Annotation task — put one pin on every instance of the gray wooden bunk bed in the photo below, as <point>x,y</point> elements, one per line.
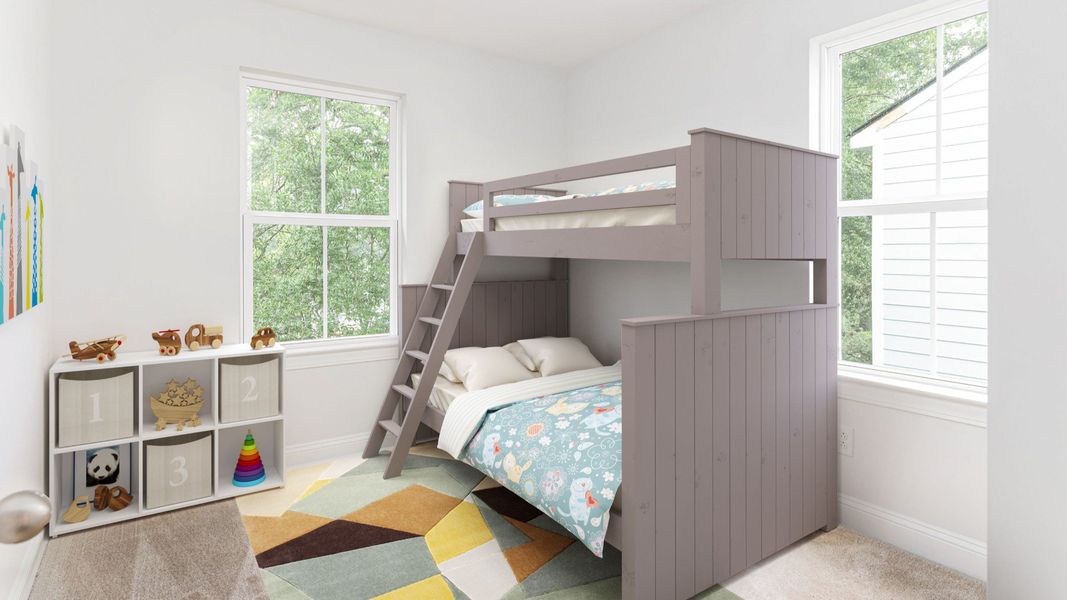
<point>729,435</point>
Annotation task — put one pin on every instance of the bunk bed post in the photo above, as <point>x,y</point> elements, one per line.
<point>705,200</point>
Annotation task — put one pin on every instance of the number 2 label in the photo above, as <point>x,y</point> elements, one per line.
<point>251,396</point>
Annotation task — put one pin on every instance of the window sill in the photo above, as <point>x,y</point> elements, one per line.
<point>961,404</point>
<point>332,353</point>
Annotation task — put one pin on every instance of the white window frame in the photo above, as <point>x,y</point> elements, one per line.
<point>250,218</point>
<point>825,132</point>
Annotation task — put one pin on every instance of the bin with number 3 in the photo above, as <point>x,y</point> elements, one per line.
<point>178,469</point>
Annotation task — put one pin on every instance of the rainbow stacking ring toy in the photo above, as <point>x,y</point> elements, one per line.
<point>249,469</point>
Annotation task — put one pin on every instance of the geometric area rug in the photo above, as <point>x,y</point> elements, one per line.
<point>439,530</point>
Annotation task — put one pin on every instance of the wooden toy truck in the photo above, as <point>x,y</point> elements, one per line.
<point>198,336</point>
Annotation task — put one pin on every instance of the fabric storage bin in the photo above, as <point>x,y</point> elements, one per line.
<point>178,469</point>
<point>94,406</point>
<point>248,388</point>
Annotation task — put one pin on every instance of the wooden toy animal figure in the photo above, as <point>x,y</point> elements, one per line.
<point>198,336</point>
<point>514,471</point>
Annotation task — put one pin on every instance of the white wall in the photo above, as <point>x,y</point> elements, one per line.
<point>915,479</point>
<point>25,353</point>
<point>1028,278</point>
<point>148,105</point>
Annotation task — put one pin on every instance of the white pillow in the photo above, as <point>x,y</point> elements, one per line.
<point>516,350</point>
<point>448,374</point>
<point>480,368</point>
<point>553,355</point>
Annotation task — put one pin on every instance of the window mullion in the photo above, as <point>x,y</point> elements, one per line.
<point>933,293</point>
<point>325,230</point>
<point>938,107</point>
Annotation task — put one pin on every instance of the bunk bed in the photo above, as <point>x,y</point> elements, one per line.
<point>728,450</point>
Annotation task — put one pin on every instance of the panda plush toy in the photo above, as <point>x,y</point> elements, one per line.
<point>102,468</point>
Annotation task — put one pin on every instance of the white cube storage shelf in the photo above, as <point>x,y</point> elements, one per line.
<point>168,469</point>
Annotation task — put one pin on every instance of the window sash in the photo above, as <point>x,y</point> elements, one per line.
<point>250,218</point>
<point>826,120</point>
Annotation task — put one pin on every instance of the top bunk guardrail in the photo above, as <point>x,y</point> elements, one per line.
<point>734,197</point>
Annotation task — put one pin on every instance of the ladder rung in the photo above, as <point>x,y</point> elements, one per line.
<point>431,320</point>
<point>391,426</point>
<point>443,286</point>
<point>420,356</point>
<point>405,391</point>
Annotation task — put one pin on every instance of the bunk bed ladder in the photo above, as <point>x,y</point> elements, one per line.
<point>440,330</point>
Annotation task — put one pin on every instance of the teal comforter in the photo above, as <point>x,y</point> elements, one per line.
<point>561,453</point>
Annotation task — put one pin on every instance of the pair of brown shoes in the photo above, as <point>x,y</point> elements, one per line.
<point>116,498</point>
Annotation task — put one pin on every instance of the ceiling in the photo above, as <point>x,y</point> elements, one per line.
<point>561,33</point>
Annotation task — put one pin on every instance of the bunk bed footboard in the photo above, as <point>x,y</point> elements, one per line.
<point>728,443</point>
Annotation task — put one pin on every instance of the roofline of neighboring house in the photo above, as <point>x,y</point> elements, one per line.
<point>914,93</point>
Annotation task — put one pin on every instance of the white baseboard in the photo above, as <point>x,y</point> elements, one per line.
<point>959,552</point>
<point>319,451</point>
<point>31,560</point>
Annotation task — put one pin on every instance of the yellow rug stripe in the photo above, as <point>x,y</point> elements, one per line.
<point>462,530</point>
<point>434,587</point>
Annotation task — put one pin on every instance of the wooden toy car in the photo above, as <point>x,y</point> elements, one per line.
<point>198,336</point>
<point>100,350</point>
<point>170,343</point>
<point>264,337</point>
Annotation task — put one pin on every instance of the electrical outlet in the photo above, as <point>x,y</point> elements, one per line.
<point>845,437</point>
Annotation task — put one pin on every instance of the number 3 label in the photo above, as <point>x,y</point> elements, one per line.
<point>180,471</point>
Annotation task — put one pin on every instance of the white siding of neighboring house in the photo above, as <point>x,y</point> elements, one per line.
<point>904,160</point>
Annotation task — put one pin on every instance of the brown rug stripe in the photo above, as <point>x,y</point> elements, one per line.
<point>267,532</point>
<point>415,509</point>
<point>528,558</point>
<point>332,538</point>
<point>508,504</point>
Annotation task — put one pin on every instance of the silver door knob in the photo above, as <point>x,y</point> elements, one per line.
<point>23,515</point>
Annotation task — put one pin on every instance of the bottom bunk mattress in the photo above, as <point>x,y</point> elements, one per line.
<point>554,441</point>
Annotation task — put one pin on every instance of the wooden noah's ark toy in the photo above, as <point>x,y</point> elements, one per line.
<point>170,343</point>
<point>264,338</point>
<point>180,403</point>
<point>198,336</point>
<point>100,350</point>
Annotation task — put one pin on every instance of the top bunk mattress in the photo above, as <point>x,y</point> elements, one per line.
<point>619,217</point>
<point>609,217</point>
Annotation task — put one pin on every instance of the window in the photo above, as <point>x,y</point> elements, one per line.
<point>906,107</point>
<point>320,189</point>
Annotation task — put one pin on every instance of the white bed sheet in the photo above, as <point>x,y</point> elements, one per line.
<point>587,219</point>
<point>443,392</point>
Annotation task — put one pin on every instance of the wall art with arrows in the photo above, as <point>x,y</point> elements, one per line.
<point>21,228</point>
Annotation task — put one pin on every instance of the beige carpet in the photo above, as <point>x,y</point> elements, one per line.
<point>845,565</point>
<point>196,553</point>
